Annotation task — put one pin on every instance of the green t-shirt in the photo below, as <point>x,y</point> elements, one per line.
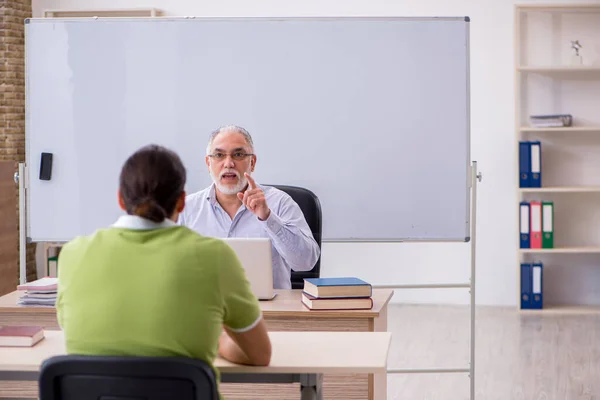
<point>154,292</point>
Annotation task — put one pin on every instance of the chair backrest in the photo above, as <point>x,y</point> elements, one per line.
<point>311,208</point>
<point>75,377</point>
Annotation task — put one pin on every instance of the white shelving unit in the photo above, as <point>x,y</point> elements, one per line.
<point>547,82</point>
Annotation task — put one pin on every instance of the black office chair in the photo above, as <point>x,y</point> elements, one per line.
<point>311,208</point>
<point>75,377</point>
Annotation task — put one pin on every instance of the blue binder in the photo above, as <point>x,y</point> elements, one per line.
<point>525,286</point>
<point>524,224</point>
<point>537,291</point>
<point>535,171</point>
<point>524,164</point>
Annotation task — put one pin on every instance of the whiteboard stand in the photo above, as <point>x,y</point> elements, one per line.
<point>20,179</point>
<point>474,178</point>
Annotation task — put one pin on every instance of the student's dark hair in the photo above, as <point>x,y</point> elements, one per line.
<point>151,181</point>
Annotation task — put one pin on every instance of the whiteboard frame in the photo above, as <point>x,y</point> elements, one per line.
<point>468,161</point>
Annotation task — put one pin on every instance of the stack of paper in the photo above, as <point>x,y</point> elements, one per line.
<point>553,120</point>
<point>41,292</point>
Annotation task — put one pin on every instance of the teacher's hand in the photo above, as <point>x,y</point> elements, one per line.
<point>254,199</point>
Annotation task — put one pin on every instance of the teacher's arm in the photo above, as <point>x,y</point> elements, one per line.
<point>286,227</point>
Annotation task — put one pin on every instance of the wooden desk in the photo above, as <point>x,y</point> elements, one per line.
<point>284,313</point>
<point>335,352</point>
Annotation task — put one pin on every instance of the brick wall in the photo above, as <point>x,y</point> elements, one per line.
<point>12,100</point>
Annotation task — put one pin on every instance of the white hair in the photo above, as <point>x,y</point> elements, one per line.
<point>230,128</point>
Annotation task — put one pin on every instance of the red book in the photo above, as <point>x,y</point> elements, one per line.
<point>536,224</point>
<point>20,336</point>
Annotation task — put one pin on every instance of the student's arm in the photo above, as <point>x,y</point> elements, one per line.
<point>245,340</point>
<point>252,347</point>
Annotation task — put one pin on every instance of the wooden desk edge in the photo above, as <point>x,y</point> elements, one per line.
<point>17,309</point>
<point>50,342</point>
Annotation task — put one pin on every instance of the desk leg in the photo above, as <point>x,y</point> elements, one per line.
<point>379,381</point>
<point>311,387</point>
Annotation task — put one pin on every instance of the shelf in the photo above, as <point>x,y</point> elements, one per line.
<point>560,69</point>
<point>564,250</point>
<point>566,309</point>
<point>565,129</point>
<point>562,189</point>
<point>559,8</point>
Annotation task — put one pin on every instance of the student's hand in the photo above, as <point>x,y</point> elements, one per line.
<point>254,199</point>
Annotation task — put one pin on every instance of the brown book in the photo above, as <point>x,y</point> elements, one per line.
<point>339,303</point>
<point>20,336</point>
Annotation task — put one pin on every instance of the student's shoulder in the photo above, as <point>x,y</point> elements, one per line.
<point>81,243</point>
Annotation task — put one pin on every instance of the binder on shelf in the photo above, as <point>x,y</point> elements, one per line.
<point>535,177</point>
<point>525,285</point>
<point>547,224</point>
<point>537,299</point>
<point>535,229</point>
<point>524,223</point>
<point>524,164</point>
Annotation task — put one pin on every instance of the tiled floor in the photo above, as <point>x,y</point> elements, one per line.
<point>518,356</point>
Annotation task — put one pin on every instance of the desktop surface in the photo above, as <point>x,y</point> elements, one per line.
<point>369,353</point>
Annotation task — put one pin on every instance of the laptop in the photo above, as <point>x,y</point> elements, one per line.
<point>255,256</point>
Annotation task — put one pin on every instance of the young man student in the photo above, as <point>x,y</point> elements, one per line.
<point>148,287</point>
<point>236,206</point>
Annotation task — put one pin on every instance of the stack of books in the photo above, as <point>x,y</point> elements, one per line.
<point>41,292</point>
<point>337,294</point>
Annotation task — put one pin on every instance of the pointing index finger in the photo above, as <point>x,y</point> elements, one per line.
<point>251,182</point>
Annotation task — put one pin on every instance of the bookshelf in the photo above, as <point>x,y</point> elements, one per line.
<point>548,80</point>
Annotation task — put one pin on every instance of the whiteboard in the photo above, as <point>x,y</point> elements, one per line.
<point>371,114</point>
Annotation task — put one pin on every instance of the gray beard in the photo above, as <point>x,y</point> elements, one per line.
<point>228,189</point>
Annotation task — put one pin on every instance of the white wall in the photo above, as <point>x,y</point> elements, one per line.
<point>493,144</point>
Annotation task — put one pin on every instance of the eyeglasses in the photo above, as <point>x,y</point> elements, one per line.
<point>237,156</point>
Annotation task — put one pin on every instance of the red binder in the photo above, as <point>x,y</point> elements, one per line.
<point>536,225</point>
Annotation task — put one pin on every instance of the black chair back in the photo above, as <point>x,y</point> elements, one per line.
<point>311,208</point>
<point>75,377</point>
